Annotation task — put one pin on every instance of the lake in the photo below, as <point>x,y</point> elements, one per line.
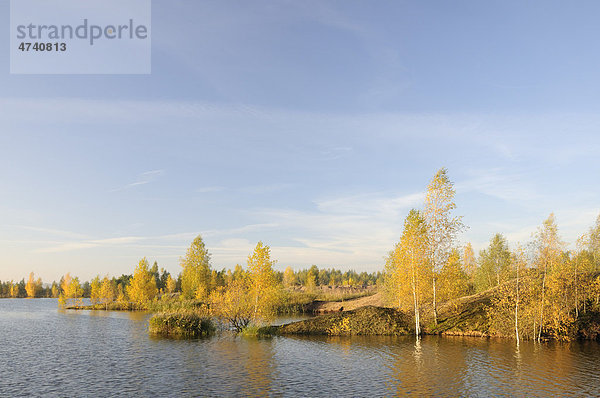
<point>49,352</point>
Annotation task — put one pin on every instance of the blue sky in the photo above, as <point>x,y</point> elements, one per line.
<point>312,126</point>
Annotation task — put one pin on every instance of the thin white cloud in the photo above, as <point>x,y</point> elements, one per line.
<point>51,231</point>
<point>87,244</point>
<point>143,179</point>
<point>374,204</point>
<point>66,247</point>
<point>496,182</point>
<point>180,240</point>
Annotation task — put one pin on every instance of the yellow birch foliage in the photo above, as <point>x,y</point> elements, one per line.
<point>55,291</point>
<point>233,303</point>
<point>71,291</point>
<point>548,250</point>
<point>95,290</point>
<point>33,286</point>
<point>453,281</point>
<point>288,277</point>
<point>121,294</point>
<point>14,289</point>
<point>170,285</point>
<point>196,275</point>
<point>469,262</point>
<point>514,307</point>
<point>408,271</point>
<point>108,291</point>
<point>143,285</point>
<point>397,283</point>
<point>264,287</point>
<point>442,226</point>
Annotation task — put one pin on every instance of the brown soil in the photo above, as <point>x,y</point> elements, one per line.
<point>324,307</point>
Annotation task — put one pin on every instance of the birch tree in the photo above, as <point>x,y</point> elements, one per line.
<point>170,284</point>
<point>142,287</point>
<point>264,288</point>
<point>520,262</point>
<point>33,286</point>
<point>196,275</point>
<point>494,263</point>
<point>548,250</point>
<point>71,290</point>
<point>453,281</point>
<point>234,303</point>
<point>14,289</point>
<point>409,264</point>
<point>288,277</point>
<point>95,286</point>
<point>442,226</point>
<point>108,292</point>
<point>469,262</point>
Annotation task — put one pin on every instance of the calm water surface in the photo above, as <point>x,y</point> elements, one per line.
<point>47,352</point>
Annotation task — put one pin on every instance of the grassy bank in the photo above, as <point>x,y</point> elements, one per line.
<point>362,321</point>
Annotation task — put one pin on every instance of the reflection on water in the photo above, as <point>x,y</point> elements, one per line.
<point>45,351</point>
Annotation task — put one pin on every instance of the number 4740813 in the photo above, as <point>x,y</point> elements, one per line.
<point>43,46</point>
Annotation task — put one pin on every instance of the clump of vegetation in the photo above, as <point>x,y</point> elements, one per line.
<point>259,331</point>
<point>181,324</point>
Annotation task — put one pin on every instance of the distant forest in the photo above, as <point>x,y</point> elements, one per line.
<point>307,278</point>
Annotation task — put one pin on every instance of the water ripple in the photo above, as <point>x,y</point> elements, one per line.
<point>46,352</point>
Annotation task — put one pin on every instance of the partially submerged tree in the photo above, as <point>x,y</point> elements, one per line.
<point>71,291</point>
<point>233,304</point>
<point>513,307</point>
<point>407,267</point>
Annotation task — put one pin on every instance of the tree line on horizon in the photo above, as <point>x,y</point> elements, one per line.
<point>543,289</point>
<point>308,279</point>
